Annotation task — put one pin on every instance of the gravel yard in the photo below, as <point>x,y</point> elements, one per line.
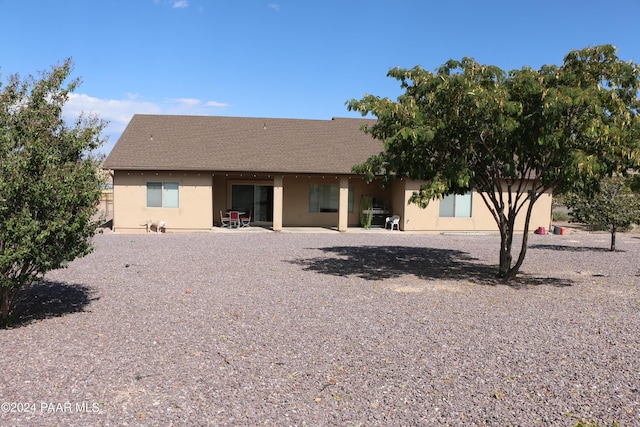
<point>329,329</point>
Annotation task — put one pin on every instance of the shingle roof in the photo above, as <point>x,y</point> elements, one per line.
<point>215,143</point>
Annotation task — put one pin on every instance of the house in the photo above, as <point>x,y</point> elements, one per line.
<point>187,170</point>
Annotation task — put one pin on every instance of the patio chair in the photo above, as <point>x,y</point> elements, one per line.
<point>394,221</point>
<point>246,218</point>
<point>234,219</point>
<point>224,220</point>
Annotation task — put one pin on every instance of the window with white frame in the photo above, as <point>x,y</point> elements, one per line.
<point>162,195</point>
<point>456,206</point>
<point>326,198</point>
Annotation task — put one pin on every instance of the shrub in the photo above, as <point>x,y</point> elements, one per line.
<point>560,216</point>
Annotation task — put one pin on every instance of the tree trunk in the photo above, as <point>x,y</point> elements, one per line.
<point>506,225</point>
<point>506,271</point>
<point>506,240</point>
<point>4,304</point>
<point>523,247</point>
<point>523,251</point>
<point>505,257</point>
<point>613,239</point>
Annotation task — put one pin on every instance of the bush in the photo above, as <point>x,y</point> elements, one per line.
<point>49,182</point>
<point>560,216</point>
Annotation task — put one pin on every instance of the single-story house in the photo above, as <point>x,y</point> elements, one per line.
<point>189,170</point>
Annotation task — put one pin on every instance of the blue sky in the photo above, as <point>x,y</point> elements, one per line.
<point>284,58</point>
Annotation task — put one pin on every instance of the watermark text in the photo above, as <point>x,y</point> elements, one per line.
<point>49,407</point>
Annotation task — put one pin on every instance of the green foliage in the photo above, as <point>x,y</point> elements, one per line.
<point>468,125</point>
<point>559,216</point>
<point>615,207</point>
<point>366,212</point>
<point>49,182</point>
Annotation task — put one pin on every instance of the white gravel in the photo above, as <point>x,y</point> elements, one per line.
<point>330,329</point>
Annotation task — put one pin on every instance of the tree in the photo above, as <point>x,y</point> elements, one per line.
<point>510,136</point>
<point>49,183</point>
<point>615,207</point>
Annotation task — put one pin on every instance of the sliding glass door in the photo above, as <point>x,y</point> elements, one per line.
<point>258,198</point>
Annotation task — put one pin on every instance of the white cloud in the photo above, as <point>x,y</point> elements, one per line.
<point>180,4</point>
<point>216,104</point>
<point>191,106</point>
<point>189,102</point>
<point>274,6</point>
<point>118,112</point>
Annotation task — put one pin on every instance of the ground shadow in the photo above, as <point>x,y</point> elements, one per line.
<point>107,224</point>
<point>49,299</point>
<point>569,248</point>
<point>386,262</point>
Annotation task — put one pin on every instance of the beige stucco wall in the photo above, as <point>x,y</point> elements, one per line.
<point>219,194</point>
<point>295,198</point>
<point>203,195</point>
<point>296,201</point>
<point>399,201</point>
<point>130,212</point>
<point>428,219</point>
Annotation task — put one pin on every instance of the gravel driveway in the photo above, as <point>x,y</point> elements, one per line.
<point>329,329</point>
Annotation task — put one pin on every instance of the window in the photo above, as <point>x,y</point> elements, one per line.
<point>456,206</point>
<point>326,198</point>
<point>162,195</point>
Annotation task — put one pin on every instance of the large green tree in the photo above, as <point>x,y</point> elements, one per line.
<point>614,207</point>
<point>49,181</point>
<point>472,126</point>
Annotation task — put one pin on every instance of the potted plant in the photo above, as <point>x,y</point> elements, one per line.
<point>366,211</point>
